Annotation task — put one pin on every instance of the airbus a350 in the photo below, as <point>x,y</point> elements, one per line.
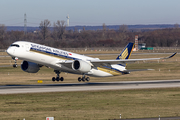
<point>35,56</point>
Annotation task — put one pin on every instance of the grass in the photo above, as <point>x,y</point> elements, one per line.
<point>92,104</point>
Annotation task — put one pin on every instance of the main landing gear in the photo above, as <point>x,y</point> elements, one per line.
<point>57,78</point>
<point>15,62</point>
<point>84,78</point>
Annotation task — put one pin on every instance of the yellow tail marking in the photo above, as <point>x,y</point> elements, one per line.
<point>124,54</point>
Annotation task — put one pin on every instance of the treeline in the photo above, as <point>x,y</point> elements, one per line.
<point>61,38</point>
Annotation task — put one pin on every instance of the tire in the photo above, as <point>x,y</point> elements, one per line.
<point>62,79</point>
<point>79,79</point>
<point>87,79</point>
<point>83,79</point>
<point>57,79</point>
<point>15,65</point>
<point>53,79</point>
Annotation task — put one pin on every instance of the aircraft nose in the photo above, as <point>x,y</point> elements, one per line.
<point>9,51</point>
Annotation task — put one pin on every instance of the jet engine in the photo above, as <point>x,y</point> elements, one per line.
<point>29,67</point>
<point>81,66</point>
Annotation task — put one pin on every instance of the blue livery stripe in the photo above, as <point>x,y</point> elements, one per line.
<point>64,57</point>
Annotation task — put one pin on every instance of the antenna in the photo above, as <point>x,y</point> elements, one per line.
<point>67,20</point>
<point>25,22</point>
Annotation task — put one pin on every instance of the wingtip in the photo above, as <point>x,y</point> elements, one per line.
<point>172,55</point>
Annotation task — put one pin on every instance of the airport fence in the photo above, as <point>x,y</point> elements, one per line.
<point>2,50</point>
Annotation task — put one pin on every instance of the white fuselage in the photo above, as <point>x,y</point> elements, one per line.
<point>57,59</point>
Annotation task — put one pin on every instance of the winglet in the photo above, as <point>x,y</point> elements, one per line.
<point>171,56</point>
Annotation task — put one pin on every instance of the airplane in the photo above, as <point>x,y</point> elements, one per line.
<point>35,56</point>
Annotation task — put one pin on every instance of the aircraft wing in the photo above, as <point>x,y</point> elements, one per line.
<point>97,63</point>
<point>124,61</point>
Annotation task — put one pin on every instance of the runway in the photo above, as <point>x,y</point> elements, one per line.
<point>68,87</point>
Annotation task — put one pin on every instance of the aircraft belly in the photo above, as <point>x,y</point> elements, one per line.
<point>99,73</point>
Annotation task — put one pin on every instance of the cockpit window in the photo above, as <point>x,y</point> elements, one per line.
<point>16,45</point>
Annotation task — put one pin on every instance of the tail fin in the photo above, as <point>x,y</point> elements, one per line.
<point>126,53</point>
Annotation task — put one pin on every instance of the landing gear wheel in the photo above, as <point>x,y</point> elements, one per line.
<point>15,62</point>
<point>53,79</point>
<point>15,65</point>
<point>83,79</point>
<point>61,78</point>
<point>79,79</point>
<point>57,79</point>
<point>87,79</point>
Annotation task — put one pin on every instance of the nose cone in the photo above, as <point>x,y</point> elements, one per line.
<point>9,51</point>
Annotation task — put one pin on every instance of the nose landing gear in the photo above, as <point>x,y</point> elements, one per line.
<point>15,62</point>
<point>57,77</point>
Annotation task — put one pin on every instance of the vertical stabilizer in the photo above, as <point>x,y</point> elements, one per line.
<point>126,53</point>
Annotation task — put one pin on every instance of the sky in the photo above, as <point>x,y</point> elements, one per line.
<point>90,12</point>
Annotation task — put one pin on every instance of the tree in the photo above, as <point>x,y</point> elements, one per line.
<point>59,29</point>
<point>17,35</point>
<point>176,25</point>
<point>44,28</point>
<point>104,30</point>
<point>2,31</point>
<point>123,28</point>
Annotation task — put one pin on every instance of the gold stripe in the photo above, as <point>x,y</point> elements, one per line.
<point>110,71</point>
<point>48,54</point>
<point>124,54</point>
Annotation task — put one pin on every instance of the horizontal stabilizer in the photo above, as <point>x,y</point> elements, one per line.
<point>128,71</point>
<point>139,70</point>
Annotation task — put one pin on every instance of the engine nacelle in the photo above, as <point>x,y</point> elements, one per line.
<point>81,66</point>
<point>29,67</point>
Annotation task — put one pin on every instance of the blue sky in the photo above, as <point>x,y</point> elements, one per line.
<point>90,12</point>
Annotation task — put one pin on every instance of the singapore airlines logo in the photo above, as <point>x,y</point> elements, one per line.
<point>124,54</point>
